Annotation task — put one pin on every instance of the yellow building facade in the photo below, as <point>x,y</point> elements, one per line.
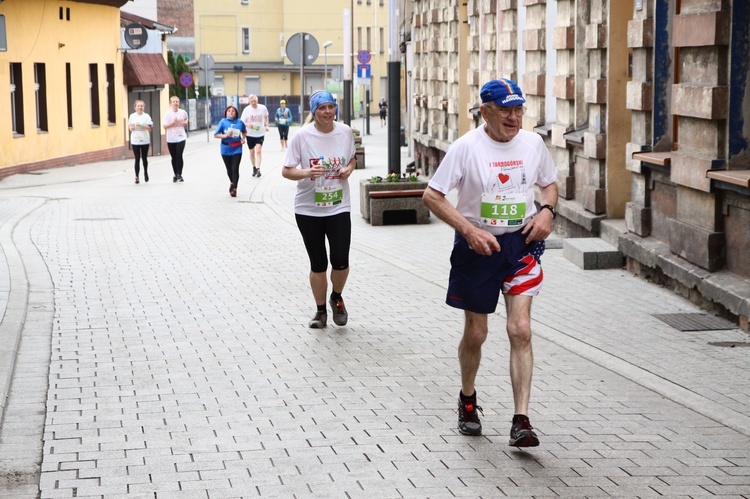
<point>248,39</point>
<point>63,71</point>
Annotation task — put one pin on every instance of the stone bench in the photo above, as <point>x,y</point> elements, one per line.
<point>409,201</point>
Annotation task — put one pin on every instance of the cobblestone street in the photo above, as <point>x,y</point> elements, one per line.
<point>164,352</point>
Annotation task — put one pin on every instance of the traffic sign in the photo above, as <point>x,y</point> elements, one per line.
<point>363,56</point>
<point>206,61</point>
<point>294,50</point>
<point>363,70</point>
<point>186,79</point>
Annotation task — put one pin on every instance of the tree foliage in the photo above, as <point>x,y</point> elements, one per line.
<point>178,65</point>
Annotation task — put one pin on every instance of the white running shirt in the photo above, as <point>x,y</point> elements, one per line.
<point>306,148</point>
<point>475,164</point>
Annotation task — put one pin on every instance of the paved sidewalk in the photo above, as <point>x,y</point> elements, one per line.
<point>163,352</point>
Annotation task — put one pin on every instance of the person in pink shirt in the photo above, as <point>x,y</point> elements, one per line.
<point>175,122</point>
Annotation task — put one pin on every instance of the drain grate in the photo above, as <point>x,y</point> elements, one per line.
<point>729,344</point>
<point>97,219</point>
<point>695,322</point>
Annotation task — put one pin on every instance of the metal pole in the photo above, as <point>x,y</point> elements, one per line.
<point>301,77</point>
<point>367,111</point>
<point>346,105</point>
<point>394,93</point>
<point>187,105</point>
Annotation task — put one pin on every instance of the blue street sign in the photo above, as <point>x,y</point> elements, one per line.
<point>364,56</point>
<point>363,70</point>
<point>186,79</point>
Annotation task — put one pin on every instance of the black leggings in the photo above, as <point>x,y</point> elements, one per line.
<point>175,150</point>
<point>141,152</point>
<point>232,163</point>
<point>283,131</point>
<point>314,230</point>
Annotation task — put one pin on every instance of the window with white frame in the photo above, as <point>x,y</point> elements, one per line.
<point>245,40</point>
<point>381,41</point>
<point>218,87</point>
<point>245,2</point>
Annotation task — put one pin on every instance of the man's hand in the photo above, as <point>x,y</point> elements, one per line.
<point>482,241</point>
<point>539,228</point>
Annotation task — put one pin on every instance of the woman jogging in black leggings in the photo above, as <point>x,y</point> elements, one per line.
<point>321,158</point>
<point>140,125</point>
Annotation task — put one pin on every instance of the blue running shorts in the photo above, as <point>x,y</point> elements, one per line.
<point>476,280</point>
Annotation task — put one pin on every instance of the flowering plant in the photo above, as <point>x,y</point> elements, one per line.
<point>393,177</point>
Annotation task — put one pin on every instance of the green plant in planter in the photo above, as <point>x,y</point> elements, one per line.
<point>393,177</point>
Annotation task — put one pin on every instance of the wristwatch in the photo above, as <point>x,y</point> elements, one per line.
<point>550,208</point>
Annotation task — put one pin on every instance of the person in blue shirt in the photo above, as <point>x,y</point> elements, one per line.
<point>283,120</point>
<point>232,132</point>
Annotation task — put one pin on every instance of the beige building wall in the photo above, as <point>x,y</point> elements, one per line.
<point>270,24</point>
<point>87,34</point>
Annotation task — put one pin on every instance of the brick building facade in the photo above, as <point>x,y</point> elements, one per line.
<point>643,105</point>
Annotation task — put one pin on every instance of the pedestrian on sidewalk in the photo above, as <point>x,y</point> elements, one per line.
<point>175,122</point>
<point>140,125</point>
<point>255,118</point>
<point>231,130</point>
<point>498,243</point>
<point>321,159</point>
<point>283,120</point>
<point>383,108</point>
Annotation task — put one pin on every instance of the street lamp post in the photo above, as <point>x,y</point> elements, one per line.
<point>238,70</point>
<point>325,63</point>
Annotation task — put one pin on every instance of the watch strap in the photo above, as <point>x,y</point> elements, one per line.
<point>550,208</point>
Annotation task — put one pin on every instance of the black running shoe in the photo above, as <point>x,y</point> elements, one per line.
<point>468,420</point>
<point>318,321</point>
<point>522,433</point>
<point>340,316</point>
<point>255,171</point>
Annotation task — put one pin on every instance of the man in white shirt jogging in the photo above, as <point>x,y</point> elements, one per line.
<point>255,118</point>
<point>498,243</point>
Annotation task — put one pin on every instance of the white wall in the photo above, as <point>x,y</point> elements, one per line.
<point>143,8</point>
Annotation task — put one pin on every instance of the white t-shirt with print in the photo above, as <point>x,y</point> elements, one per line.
<point>255,119</point>
<point>475,165</point>
<point>336,149</point>
<point>175,133</point>
<point>140,136</point>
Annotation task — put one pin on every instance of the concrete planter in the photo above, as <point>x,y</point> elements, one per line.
<point>365,187</point>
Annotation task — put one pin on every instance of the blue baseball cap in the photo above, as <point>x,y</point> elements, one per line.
<point>503,92</point>
<point>321,97</point>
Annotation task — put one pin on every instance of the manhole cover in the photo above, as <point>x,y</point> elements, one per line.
<point>695,322</point>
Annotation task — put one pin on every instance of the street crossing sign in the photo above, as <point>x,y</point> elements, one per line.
<point>364,70</point>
